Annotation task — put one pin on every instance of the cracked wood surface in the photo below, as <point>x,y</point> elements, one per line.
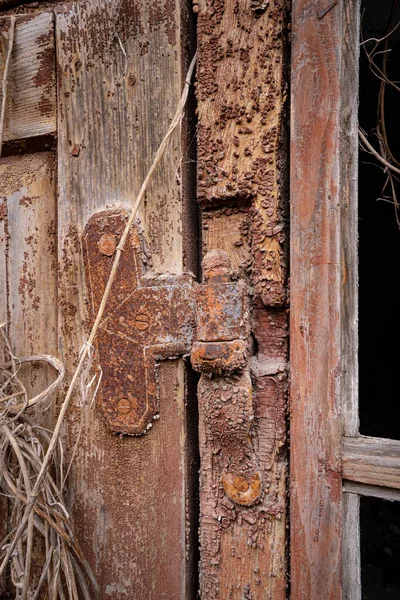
<point>241,176</point>
<point>31,89</point>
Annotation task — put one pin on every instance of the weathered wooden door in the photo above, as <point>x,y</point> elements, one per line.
<point>92,88</point>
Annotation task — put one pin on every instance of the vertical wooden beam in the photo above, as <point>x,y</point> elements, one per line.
<point>241,177</point>
<point>349,344</point>
<point>120,69</point>
<point>28,272</point>
<point>324,103</point>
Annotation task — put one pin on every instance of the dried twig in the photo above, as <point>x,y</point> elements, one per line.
<point>385,156</point>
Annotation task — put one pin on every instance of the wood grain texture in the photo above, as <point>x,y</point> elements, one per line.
<point>349,211</point>
<point>28,189</point>
<point>28,273</point>
<point>243,548</point>
<point>349,235</point>
<point>120,78</point>
<point>375,461</point>
<point>31,89</point>
<point>316,302</point>
<point>351,546</point>
<point>241,96</point>
<point>362,489</point>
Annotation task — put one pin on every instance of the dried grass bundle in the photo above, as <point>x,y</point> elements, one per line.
<point>23,446</point>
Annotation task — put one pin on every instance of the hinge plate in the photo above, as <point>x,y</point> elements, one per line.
<point>148,318</point>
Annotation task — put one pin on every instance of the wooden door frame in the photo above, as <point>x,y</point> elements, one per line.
<point>332,465</point>
<point>324,370</point>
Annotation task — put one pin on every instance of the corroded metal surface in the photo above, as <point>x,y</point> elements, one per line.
<point>148,318</point>
<point>219,357</point>
<point>225,397</point>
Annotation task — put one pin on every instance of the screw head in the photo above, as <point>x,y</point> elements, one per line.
<point>107,244</point>
<point>123,406</point>
<point>142,321</point>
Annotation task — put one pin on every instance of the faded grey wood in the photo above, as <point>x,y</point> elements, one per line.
<point>28,270</point>
<point>351,547</point>
<point>375,461</point>
<point>120,70</point>
<point>27,184</point>
<point>351,567</point>
<point>352,488</point>
<point>31,89</point>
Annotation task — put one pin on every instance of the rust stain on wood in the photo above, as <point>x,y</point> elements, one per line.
<point>31,103</point>
<point>242,445</point>
<point>28,278</point>
<point>130,496</point>
<point>241,177</point>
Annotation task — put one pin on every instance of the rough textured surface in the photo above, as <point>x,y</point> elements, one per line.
<point>31,90</point>
<point>243,477</point>
<point>120,66</point>
<point>148,318</point>
<point>28,274</point>
<point>241,95</point>
<point>28,215</point>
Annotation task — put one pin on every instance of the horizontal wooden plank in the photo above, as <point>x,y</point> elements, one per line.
<point>31,90</point>
<point>374,491</point>
<point>375,461</point>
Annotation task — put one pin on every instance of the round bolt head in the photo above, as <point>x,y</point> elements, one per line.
<point>107,244</point>
<point>124,406</point>
<point>142,321</point>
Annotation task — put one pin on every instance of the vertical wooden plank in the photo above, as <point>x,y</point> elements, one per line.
<point>241,182</point>
<point>241,96</point>
<point>28,188</point>
<point>120,80</point>
<point>28,272</point>
<point>3,319</point>
<point>323,279</point>
<point>349,199</point>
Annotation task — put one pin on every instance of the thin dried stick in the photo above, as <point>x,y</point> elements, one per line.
<point>85,349</point>
<point>376,153</point>
<point>5,78</point>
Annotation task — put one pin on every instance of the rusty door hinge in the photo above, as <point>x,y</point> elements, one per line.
<point>152,317</point>
<point>148,318</point>
<point>225,399</point>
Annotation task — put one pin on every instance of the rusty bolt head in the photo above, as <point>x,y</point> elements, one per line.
<point>107,244</point>
<point>124,406</point>
<point>216,266</point>
<point>142,321</point>
<point>242,490</point>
